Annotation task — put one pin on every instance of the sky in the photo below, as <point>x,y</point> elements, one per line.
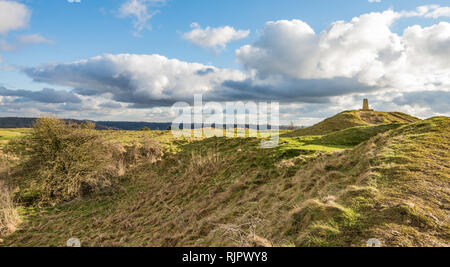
<point>133,59</point>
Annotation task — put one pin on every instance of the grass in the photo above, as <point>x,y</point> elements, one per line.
<point>9,217</point>
<point>355,135</point>
<point>9,134</point>
<point>338,140</point>
<point>388,182</point>
<point>311,143</point>
<point>353,118</point>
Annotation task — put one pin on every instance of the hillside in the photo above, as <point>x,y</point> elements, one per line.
<point>228,192</point>
<point>354,118</point>
<point>16,122</point>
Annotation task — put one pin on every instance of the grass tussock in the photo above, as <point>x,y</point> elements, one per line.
<point>204,163</point>
<point>9,217</point>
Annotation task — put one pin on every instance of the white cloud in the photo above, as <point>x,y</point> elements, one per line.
<point>13,16</point>
<point>364,49</point>
<point>74,1</point>
<point>23,40</point>
<point>427,11</point>
<point>439,12</point>
<point>214,37</point>
<point>290,62</point>
<point>33,39</point>
<point>140,11</point>
<point>141,80</point>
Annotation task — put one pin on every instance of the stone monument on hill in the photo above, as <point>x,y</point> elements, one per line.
<point>366,106</point>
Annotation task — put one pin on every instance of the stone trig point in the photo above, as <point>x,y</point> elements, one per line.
<point>366,105</point>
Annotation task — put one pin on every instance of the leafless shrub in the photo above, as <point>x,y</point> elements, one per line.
<point>68,160</point>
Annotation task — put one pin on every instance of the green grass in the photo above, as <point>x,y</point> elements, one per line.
<point>344,139</point>
<point>389,182</point>
<point>356,135</point>
<point>311,143</point>
<point>353,118</point>
<point>8,134</point>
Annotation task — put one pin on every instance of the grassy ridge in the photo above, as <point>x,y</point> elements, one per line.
<point>354,118</point>
<point>226,192</point>
<point>356,135</point>
<point>343,139</point>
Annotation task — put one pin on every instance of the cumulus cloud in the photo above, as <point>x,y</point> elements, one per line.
<point>46,95</point>
<point>13,16</point>
<point>152,80</point>
<point>364,49</point>
<point>290,90</point>
<point>436,101</point>
<point>290,62</point>
<point>214,37</point>
<point>141,80</point>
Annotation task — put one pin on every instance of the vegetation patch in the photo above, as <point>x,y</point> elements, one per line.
<point>61,161</point>
<point>353,118</point>
<point>394,186</point>
<point>9,217</point>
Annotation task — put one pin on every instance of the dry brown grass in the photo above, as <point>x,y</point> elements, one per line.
<point>204,163</point>
<point>9,218</point>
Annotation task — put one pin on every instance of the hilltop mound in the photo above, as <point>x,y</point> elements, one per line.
<point>226,192</point>
<point>354,118</point>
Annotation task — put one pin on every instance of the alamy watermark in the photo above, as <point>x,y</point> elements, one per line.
<point>229,119</point>
<point>73,242</point>
<point>374,242</point>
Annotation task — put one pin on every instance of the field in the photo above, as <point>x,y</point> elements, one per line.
<point>8,134</point>
<point>387,180</point>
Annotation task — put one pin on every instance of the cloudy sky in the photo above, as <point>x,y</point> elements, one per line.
<point>133,59</point>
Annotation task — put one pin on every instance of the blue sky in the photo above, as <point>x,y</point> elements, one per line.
<point>63,33</point>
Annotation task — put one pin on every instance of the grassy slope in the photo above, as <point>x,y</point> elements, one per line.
<point>356,135</point>
<point>354,118</point>
<point>223,192</point>
<point>343,139</point>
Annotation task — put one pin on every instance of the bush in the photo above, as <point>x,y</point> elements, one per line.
<point>68,160</point>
